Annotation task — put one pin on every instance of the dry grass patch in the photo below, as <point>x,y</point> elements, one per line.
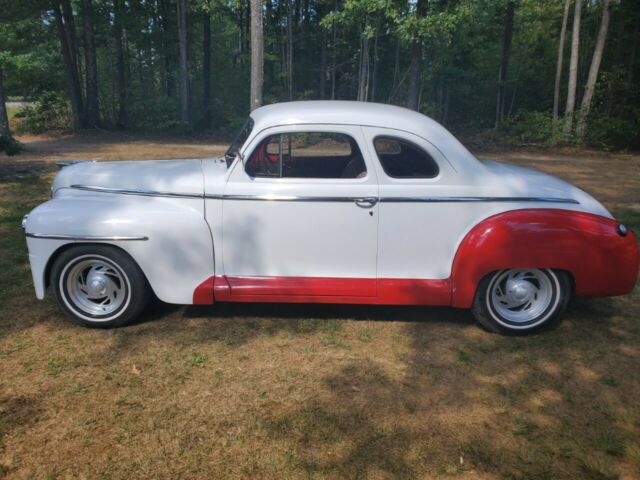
<point>302,391</point>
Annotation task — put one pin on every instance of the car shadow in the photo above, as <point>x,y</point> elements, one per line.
<point>158,310</point>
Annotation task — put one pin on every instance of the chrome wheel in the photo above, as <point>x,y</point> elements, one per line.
<point>94,287</point>
<point>522,298</point>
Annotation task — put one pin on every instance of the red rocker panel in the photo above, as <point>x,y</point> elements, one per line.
<point>602,262</point>
<point>390,291</point>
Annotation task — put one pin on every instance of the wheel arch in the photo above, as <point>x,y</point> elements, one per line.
<point>70,246</point>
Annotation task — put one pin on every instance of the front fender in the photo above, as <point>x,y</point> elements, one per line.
<point>172,245</point>
<point>601,261</point>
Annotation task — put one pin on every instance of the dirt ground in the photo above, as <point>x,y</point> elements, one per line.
<point>304,391</point>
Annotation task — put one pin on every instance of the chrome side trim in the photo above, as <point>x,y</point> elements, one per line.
<point>297,198</point>
<point>144,193</point>
<point>92,238</point>
<point>283,198</point>
<point>476,199</point>
<point>294,198</point>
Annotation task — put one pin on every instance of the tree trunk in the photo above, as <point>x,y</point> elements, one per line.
<point>4,118</point>
<point>183,43</point>
<point>290,49</point>
<point>70,26</point>
<point>573,69</point>
<point>257,54</point>
<point>296,12</point>
<point>91,67</point>
<point>167,64</point>
<point>121,63</point>
<point>556,90</point>
<point>415,71</point>
<point>396,68</point>
<point>64,25</point>
<point>374,73</point>
<point>206,68</point>
<point>504,64</point>
<point>323,65</point>
<point>585,106</point>
<point>333,62</point>
<point>363,81</point>
<point>635,39</point>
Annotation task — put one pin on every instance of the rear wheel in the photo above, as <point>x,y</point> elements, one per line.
<point>99,286</point>
<point>521,301</point>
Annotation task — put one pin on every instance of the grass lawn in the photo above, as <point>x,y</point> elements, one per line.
<point>300,391</point>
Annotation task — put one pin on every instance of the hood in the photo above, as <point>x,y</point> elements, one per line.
<point>167,176</point>
<point>517,181</point>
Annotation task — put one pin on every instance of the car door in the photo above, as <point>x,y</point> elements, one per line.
<point>418,234</point>
<point>300,215</point>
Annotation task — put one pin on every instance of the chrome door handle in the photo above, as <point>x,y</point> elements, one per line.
<point>366,202</point>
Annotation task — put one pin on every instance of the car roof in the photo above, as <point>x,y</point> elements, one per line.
<point>341,112</point>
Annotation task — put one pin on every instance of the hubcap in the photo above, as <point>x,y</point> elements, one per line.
<point>96,286</point>
<point>521,296</point>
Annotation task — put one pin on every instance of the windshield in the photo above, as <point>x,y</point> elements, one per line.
<point>237,143</point>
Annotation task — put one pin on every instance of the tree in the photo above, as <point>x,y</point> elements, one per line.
<point>4,118</point>
<point>415,72</point>
<point>7,143</point>
<point>66,34</point>
<point>290,49</point>
<point>257,55</point>
<point>556,90</point>
<point>183,46</point>
<point>91,68</point>
<point>573,70</point>
<point>585,106</point>
<point>206,67</point>
<point>121,47</point>
<point>504,63</point>
<point>363,75</point>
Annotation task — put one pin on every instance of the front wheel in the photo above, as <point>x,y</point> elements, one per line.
<point>99,285</point>
<point>520,301</point>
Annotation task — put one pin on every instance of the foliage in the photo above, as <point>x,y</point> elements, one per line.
<point>50,111</point>
<point>614,133</point>
<point>154,114</point>
<point>324,42</point>
<point>531,127</point>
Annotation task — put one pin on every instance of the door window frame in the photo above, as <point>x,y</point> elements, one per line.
<point>353,131</point>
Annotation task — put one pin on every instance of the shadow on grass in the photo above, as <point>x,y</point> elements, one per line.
<point>543,406</point>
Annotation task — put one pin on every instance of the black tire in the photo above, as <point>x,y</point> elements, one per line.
<point>488,311</point>
<point>131,287</point>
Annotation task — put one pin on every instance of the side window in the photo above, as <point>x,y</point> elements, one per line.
<point>265,161</point>
<point>403,159</point>
<point>307,155</point>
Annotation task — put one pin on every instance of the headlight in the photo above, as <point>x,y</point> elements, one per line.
<point>24,222</point>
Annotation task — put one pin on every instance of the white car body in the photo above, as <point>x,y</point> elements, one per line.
<point>186,221</point>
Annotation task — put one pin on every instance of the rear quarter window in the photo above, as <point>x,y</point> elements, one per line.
<point>403,159</point>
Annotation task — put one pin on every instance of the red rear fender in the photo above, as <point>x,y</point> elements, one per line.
<point>601,261</point>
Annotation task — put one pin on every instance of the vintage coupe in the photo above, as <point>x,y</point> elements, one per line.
<point>327,202</point>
